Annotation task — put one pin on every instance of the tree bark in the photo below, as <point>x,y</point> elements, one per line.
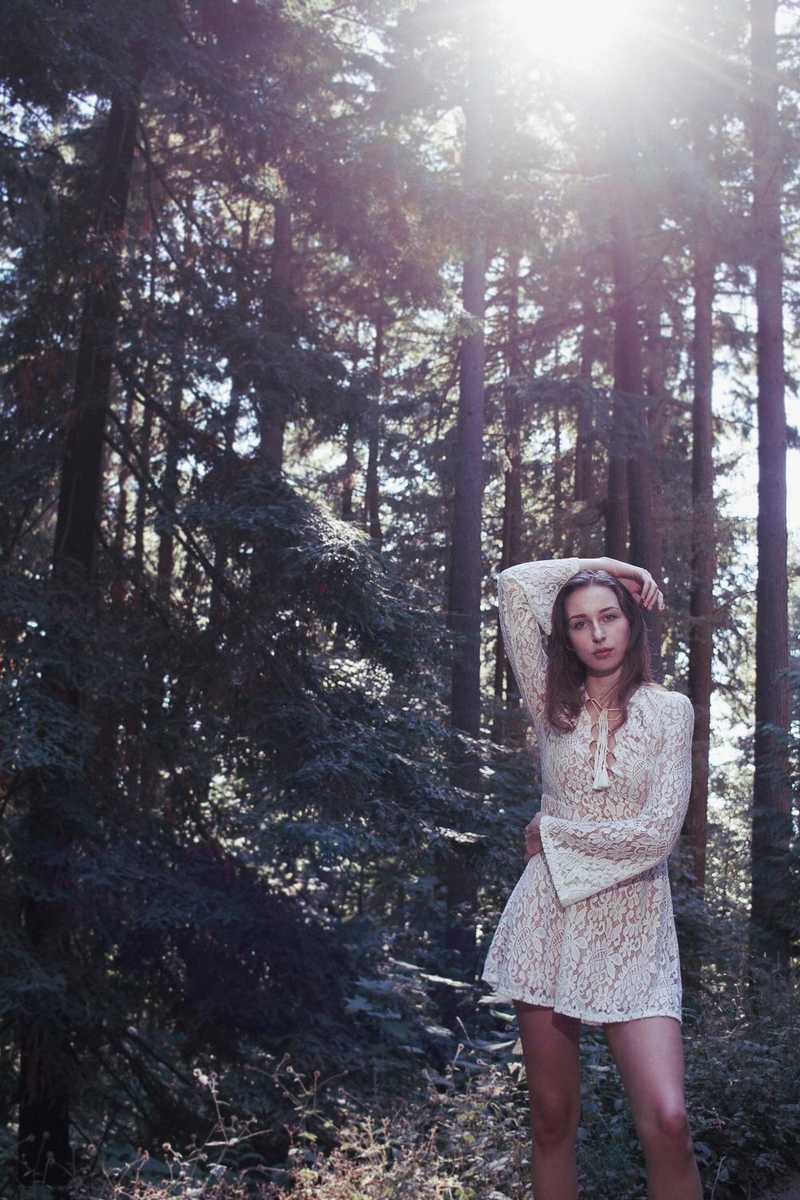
<point>372,499</point>
<point>558,485</point>
<point>627,378</point>
<point>703,554</point>
<point>772,820</point>
<point>118,585</point>
<point>630,460</point>
<point>45,1037</point>
<point>147,415</point>
<point>280,323</point>
<point>170,483</point>
<point>653,432</point>
<point>143,768</point>
<point>221,541</point>
<point>350,472</point>
<point>583,488</point>
<point>465,589</point>
<point>507,719</point>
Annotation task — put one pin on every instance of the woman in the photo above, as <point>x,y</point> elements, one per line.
<point>588,933</point>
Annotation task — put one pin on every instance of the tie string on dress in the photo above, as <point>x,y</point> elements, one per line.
<point>601,779</point>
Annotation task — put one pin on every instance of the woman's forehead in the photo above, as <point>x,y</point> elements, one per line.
<point>590,599</point>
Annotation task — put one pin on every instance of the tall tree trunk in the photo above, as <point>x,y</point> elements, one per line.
<point>372,499</point>
<point>221,541</point>
<point>147,415</point>
<point>583,488</point>
<point>115,757</point>
<point>630,459</point>
<point>507,726</point>
<point>143,767</point>
<point>350,472</point>
<point>465,590</point>
<point>272,415</point>
<point>118,585</point>
<point>772,819</point>
<point>703,555</point>
<point>45,1038</point>
<point>627,378</point>
<point>170,484</point>
<point>558,484</point>
<point>652,432</point>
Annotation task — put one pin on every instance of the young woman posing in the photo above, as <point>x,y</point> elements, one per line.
<point>588,932</point>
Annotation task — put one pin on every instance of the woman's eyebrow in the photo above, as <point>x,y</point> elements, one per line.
<point>602,610</point>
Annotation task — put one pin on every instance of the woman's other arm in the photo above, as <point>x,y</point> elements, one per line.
<point>585,857</point>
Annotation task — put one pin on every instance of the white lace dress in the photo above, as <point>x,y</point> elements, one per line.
<point>589,927</point>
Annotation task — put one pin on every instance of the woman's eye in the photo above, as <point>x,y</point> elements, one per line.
<point>611,617</point>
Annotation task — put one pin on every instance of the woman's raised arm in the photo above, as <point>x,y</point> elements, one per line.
<point>525,595</point>
<point>644,589</point>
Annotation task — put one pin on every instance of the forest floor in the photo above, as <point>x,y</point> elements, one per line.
<point>788,1190</point>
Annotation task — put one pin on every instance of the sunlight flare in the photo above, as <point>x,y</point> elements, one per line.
<point>580,35</point>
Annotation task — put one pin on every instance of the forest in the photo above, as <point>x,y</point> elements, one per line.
<point>315,315</point>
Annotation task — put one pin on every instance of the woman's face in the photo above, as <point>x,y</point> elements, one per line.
<point>595,622</point>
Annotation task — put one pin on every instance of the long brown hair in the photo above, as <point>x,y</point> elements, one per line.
<point>565,671</point>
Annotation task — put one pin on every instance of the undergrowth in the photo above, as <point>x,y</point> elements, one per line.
<point>464,1132</point>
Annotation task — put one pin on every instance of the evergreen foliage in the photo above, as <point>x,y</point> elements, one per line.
<point>225,749</point>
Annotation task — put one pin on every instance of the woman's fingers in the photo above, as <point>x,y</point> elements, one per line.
<point>533,845</point>
<point>651,595</point>
<point>655,600</point>
<point>533,841</point>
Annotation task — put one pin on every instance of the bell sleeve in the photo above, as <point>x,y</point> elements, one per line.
<point>584,857</point>
<point>525,595</point>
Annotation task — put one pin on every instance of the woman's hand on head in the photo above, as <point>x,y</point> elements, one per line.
<point>533,839</point>
<point>637,580</point>
<point>644,589</point>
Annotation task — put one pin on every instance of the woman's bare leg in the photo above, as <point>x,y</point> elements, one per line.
<point>649,1056</point>
<point>550,1048</point>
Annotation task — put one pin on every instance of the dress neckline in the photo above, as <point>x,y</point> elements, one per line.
<point>633,696</point>
<point>600,776</point>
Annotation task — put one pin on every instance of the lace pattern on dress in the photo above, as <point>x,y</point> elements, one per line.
<point>588,928</point>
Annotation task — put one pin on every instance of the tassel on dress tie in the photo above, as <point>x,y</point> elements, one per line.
<point>601,779</point>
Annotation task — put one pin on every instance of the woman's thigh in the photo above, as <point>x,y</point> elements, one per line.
<point>648,1053</point>
<point>551,1052</point>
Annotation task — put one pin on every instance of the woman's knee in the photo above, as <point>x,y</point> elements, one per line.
<point>554,1117</point>
<point>667,1125</point>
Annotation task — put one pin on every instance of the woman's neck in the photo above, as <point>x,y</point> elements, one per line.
<point>601,686</point>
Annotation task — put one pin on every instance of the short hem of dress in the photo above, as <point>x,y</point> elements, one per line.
<point>591,1018</point>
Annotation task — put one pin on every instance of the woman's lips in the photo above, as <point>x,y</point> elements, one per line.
<point>602,653</point>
